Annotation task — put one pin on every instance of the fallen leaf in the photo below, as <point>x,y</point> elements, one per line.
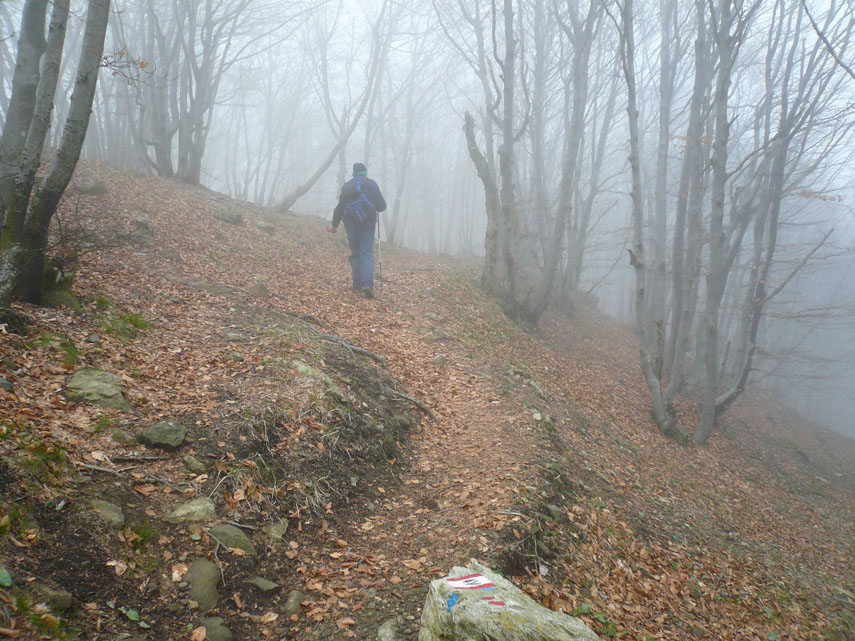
<point>146,490</point>
<point>199,634</point>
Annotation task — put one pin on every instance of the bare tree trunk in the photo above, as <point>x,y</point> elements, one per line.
<point>658,279</point>
<point>662,413</point>
<point>509,228</point>
<point>492,204</point>
<point>716,278</point>
<point>581,34</point>
<point>689,205</point>
<point>24,277</point>
<point>25,82</point>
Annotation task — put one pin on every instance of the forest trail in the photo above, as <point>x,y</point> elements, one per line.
<point>539,459</point>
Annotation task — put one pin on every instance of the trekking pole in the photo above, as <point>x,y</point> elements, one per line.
<point>379,255</point>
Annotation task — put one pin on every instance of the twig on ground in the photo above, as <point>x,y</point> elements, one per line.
<point>125,458</point>
<point>424,408</point>
<point>107,470</point>
<point>353,348</point>
<point>242,526</point>
<point>165,482</point>
<point>217,557</point>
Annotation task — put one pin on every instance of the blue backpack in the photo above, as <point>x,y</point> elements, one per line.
<point>358,206</point>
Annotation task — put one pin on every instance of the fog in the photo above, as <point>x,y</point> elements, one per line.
<point>715,216</point>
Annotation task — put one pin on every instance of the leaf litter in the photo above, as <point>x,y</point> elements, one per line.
<point>541,458</point>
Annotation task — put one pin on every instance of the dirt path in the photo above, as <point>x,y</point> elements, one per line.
<point>468,464</point>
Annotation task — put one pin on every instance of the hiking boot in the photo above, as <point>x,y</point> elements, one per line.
<point>369,292</point>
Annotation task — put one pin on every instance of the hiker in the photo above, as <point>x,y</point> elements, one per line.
<point>358,206</point>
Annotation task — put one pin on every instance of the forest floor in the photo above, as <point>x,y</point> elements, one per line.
<point>394,437</point>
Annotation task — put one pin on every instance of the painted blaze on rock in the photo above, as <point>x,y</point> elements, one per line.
<point>476,604</point>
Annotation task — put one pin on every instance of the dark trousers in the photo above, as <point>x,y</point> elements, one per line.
<point>360,237</point>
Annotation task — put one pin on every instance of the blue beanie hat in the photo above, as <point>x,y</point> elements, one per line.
<point>359,169</point>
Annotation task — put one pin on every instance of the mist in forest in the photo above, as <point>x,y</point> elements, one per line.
<point>686,167</point>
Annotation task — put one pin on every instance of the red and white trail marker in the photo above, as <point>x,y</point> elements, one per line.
<point>471,582</point>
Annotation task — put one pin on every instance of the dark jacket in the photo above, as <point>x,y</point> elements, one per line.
<point>371,191</point>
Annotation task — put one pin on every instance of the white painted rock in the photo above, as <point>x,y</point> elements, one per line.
<point>476,604</point>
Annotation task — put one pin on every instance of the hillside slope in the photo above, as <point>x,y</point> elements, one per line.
<point>389,439</point>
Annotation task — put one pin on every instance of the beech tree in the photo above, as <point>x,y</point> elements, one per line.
<point>26,209</point>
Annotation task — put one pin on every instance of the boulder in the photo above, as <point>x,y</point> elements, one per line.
<point>110,513</point>
<point>204,577</point>
<point>165,435</point>
<point>97,386</point>
<point>193,511</point>
<point>233,537</point>
<point>474,603</point>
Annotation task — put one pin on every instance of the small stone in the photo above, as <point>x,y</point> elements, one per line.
<point>93,339</point>
<point>90,186</point>
<point>213,288</point>
<point>233,537</point>
<point>216,630</point>
<point>58,600</point>
<point>293,605</point>
<point>265,585</point>
<point>259,290</point>
<point>97,386</point>
<point>234,357</point>
<point>232,218</point>
<point>388,631</point>
<point>440,361</point>
<point>233,337</point>
<point>276,530</point>
<point>204,577</point>
<point>110,513</point>
<point>554,511</point>
<point>10,364</point>
<point>165,435</point>
<point>141,223</point>
<point>171,255</point>
<point>193,511</point>
<point>267,228</point>
<point>195,465</point>
<point>121,436</point>
<point>6,385</point>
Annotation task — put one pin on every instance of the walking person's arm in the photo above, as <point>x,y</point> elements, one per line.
<point>338,214</point>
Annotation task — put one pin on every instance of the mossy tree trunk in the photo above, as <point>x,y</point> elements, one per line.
<point>24,235</point>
